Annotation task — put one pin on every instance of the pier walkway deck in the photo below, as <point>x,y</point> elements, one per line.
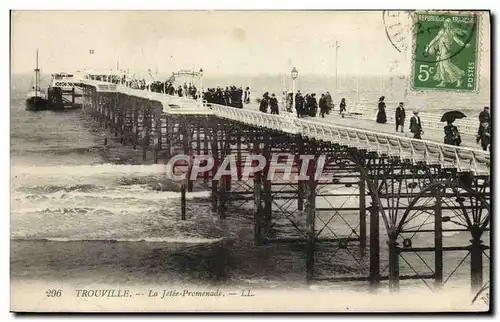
<point>354,131</point>
<point>414,191</point>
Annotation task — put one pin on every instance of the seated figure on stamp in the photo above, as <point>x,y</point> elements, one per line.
<point>440,46</point>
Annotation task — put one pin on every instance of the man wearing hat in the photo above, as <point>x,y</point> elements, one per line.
<point>400,117</point>
<point>484,116</point>
<point>273,102</point>
<point>416,125</point>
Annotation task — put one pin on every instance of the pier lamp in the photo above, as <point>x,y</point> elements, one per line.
<point>201,83</point>
<point>295,74</point>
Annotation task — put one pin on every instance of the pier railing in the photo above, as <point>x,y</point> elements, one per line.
<point>429,120</point>
<point>361,111</point>
<point>413,150</point>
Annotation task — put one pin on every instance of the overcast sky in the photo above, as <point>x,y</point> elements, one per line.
<point>222,42</point>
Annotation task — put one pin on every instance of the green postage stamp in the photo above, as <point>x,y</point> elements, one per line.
<point>445,53</point>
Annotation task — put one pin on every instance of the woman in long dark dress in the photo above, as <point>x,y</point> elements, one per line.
<point>342,107</point>
<point>381,116</point>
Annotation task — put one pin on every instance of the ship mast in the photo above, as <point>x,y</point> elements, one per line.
<point>336,67</point>
<point>36,74</point>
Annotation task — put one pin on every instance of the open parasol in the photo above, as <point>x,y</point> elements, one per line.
<point>452,116</point>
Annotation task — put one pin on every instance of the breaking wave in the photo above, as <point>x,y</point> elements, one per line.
<point>171,240</point>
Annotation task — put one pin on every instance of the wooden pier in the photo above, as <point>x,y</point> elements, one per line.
<point>406,194</point>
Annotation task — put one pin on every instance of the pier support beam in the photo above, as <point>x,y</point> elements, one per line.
<point>187,150</point>
<point>239,165</point>
<point>146,128</point>
<point>393,261</point>
<point>438,239</point>
<point>118,114</point>
<point>257,195</point>
<point>362,215</point>
<point>311,216</point>
<point>183,200</point>
<point>267,215</point>
<point>205,148</point>
<point>157,134</point>
<point>135,123</point>
<point>300,184</point>
<point>476,258</point>
<point>374,245</point>
<point>215,153</point>
<point>222,197</point>
<point>168,135</point>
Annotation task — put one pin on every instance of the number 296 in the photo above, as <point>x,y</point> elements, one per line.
<point>53,293</point>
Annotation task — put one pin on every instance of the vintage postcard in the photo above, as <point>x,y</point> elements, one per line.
<point>250,161</point>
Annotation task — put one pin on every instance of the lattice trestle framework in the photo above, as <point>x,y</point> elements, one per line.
<point>383,214</point>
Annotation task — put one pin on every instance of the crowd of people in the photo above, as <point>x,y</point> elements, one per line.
<point>451,133</point>
<point>186,90</point>
<point>308,106</point>
<point>305,105</point>
<point>229,96</point>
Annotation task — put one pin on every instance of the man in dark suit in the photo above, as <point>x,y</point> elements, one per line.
<point>273,102</point>
<point>313,105</point>
<point>416,125</point>
<point>323,105</point>
<point>400,117</point>
<point>484,116</point>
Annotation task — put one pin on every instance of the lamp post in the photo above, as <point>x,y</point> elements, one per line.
<point>201,84</point>
<point>336,66</point>
<point>295,74</point>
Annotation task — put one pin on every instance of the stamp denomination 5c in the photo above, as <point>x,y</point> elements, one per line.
<point>445,51</point>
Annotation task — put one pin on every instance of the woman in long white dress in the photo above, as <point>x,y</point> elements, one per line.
<point>446,71</point>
